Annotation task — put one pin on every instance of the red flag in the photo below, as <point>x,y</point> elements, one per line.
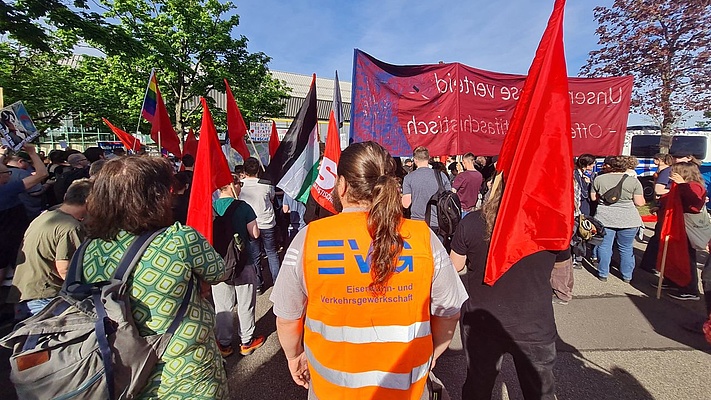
<point>129,141</point>
<point>677,263</point>
<point>191,144</point>
<point>536,211</point>
<point>273,141</point>
<point>322,188</point>
<point>211,173</point>
<point>236,128</point>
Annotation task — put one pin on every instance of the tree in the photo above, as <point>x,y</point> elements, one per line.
<point>57,84</point>
<point>666,45</point>
<point>191,44</point>
<point>34,23</point>
<point>706,123</point>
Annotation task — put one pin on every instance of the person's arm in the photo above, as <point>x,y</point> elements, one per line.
<point>639,200</point>
<point>291,333</point>
<point>442,332</point>
<point>40,169</point>
<point>459,261</point>
<point>253,229</point>
<point>406,200</point>
<point>660,189</point>
<point>62,267</point>
<point>4,150</point>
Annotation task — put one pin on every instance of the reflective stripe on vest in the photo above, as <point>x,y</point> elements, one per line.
<point>371,334</point>
<point>389,380</point>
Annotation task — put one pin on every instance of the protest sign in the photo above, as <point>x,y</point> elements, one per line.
<point>16,126</point>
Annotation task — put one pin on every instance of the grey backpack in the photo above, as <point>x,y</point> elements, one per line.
<point>85,343</point>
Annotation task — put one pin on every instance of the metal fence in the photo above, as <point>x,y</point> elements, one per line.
<point>78,138</point>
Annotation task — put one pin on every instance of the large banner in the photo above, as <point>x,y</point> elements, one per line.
<point>455,109</point>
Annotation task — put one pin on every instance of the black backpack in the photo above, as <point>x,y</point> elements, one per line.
<point>449,209</point>
<point>229,244</point>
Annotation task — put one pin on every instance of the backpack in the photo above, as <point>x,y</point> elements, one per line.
<point>612,195</point>
<point>449,209</point>
<point>229,244</point>
<point>85,343</point>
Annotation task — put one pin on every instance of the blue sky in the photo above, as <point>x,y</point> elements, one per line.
<point>319,36</point>
<point>307,36</point>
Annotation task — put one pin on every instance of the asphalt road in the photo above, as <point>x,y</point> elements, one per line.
<point>617,341</point>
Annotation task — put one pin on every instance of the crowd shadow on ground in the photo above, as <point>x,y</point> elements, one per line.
<point>668,317</point>
<point>580,378</point>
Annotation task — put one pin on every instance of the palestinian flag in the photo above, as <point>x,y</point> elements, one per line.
<point>295,164</point>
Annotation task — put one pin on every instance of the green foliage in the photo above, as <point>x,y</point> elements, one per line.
<point>36,23</point>
<point>192,45</point>
<point>666,45</point>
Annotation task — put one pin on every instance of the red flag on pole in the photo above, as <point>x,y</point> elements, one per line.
<point>676,267</point>
<point>211,173</point>
<point>236,128</point>
<point>129,141</point>
<point>536,211</point>
<point>191,144</point>
<point>273,141</point>
<point>322,189</point>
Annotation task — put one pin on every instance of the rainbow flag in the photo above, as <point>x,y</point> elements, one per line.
<point>150,103</point>
<point>153,110</point>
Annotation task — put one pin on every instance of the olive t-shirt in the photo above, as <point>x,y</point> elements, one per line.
<point>53,236</point>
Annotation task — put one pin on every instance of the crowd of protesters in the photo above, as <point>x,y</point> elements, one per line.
<point>406,273</point>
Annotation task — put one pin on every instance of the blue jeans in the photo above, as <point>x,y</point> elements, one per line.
<point>625,245</point>
<point>266,239</point>
<point>26,309</point>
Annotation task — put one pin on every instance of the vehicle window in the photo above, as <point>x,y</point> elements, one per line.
<point>644,146</point>
<point>685,145</point>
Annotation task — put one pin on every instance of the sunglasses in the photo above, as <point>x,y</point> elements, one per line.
<point>240,184</point>
<point>6,172</point>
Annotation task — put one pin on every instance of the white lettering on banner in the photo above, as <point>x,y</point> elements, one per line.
<point>469,124</point>
<point>466,86</point>
<point>596,98</point>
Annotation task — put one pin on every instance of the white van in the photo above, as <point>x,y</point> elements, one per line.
<point>643,143</point>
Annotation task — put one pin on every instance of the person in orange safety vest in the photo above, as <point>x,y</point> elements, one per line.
<point>366,300</point>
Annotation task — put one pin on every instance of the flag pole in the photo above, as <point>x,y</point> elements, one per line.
<point>661,269</point>
<point>140,113</point>
<point>259,158</point>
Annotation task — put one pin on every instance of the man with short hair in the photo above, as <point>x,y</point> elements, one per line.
<point>419,186</point>
<point>467,185</point>
<point>49,244</point>
<point>239,292</point>
<point>259,195</point>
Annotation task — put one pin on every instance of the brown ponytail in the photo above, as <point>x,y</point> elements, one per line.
<point>369,171</point>
<point>384,222</point>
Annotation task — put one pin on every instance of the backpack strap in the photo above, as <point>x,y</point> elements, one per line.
<point>134,253</point>
<point>75,288</point>
<point>433,199</point>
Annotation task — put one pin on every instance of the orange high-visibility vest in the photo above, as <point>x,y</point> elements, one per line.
<point>361,346</point>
